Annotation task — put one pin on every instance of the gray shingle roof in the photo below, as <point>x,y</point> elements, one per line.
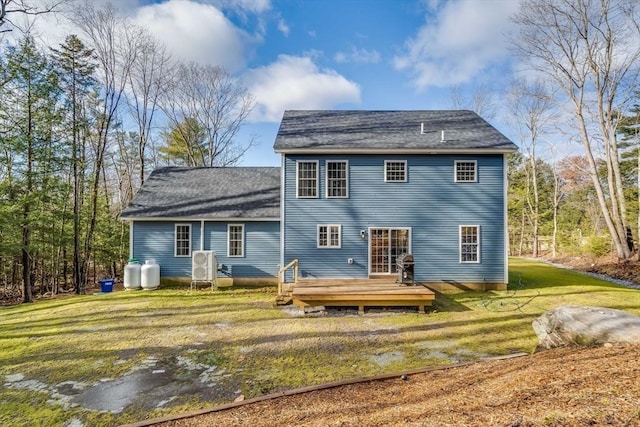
<point>387,131</point>
<point>208,193</point>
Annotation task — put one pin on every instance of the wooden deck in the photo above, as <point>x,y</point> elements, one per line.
<point>360,293</point>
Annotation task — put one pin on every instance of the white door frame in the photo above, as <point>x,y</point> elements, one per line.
<point>390,256</point>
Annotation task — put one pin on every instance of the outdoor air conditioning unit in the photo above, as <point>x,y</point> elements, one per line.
<point>203,266</point>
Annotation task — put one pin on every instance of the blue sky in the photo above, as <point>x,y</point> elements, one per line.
<point>339,54</point>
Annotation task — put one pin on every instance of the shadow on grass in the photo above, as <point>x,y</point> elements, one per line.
<point>445,303</point>
<point>268,348</point>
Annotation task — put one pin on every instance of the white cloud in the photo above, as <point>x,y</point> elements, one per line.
<point>196,32</point>
<point>249,6</point>
<point>294,82</point>
<point>48,29</point>
<point>459,40</point>
<point>283,27</point>
<point>362,56</point>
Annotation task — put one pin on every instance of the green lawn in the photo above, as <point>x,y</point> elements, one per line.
<point>234,341</point>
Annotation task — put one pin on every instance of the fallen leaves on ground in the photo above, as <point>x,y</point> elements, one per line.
<point>562,387</point>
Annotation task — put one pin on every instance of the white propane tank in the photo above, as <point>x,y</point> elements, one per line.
<point>132,275</point>
<point>150,275</point>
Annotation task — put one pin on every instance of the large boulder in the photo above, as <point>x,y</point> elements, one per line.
<point>571,325</point>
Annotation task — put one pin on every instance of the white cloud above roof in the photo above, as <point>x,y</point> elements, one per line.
<point>283,27</point>
<point>459,40</point>
<point>196,32</point>
<point>362,56</point>
<point>296,82</point>
<point>249,6</point>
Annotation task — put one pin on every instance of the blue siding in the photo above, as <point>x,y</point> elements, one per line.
<point>430,203</point>
<point>157,240</point>
<point>261,258</point>
<point>261,248</point>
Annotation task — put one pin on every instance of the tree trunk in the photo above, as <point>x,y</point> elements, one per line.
<point>26,264</point>
<point>556,207</point>
<point>638,184</point>
<point>535,211</point>
<point>26,208</point>
<point>522,224</point>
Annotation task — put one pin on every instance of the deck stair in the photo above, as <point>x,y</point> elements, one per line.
<point>286,283</point>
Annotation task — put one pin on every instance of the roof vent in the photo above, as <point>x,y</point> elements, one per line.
<point>422,128</point>
<point>442,137</point>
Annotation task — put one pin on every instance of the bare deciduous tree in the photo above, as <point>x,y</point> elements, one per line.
<point>533,113</point>
<point>115,43</point>
<point>149,79</point>
<point>24,7</point>
<point>217,104</point>
<point>479,100</point>
<point>589,49</point>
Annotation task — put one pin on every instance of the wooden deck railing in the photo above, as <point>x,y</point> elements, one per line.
<point>282,275</point>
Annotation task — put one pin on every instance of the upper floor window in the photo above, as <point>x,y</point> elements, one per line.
<point>466,171</point>
<point>470,243</point>
<point>235,240</point>
<point>395,171</point>
<point>183,240</point>
<point>337,178</point>
<point>329,236</point>
<point>307,179</point>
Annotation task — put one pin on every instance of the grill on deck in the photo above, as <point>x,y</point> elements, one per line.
<point>405,266</point>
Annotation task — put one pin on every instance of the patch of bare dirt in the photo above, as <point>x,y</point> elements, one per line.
<point>562,387</point>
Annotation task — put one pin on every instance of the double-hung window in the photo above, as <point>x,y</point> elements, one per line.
<point>466,171</point>
<point>235,240</point>
<point>329,236</point>
<point>469,243</point>
<point>307,179</point>
<point>337,179</point>
<point>395,171</point>
<point>182,241</point>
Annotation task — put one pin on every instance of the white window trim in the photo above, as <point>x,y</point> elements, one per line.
<point>455,170</point>
<point>326,178</point>
<point>242,240</point>
<point>369,233</point>
<point>329,246</point>
<point>298,196</point>
<point>175,240</point>
<point>477,227</point>
<point>386,162</point>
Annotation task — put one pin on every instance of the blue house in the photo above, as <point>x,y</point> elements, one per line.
<point>233,211</point>
<point>356,190</point>
<point>361,188</point>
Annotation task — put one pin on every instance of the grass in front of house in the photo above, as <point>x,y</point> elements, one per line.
<point>256,348</point>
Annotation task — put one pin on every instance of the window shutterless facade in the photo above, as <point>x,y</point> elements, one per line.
<point>235,240</point>
<point>307,179</point>
<point>329,236</point>
<point>395,171</point>
<point>182,240</point>
<point>466,171</point>
<point>469,243</point>
<point>337,179</point>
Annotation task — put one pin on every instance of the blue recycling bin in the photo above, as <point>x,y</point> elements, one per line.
<point>106,285</point>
